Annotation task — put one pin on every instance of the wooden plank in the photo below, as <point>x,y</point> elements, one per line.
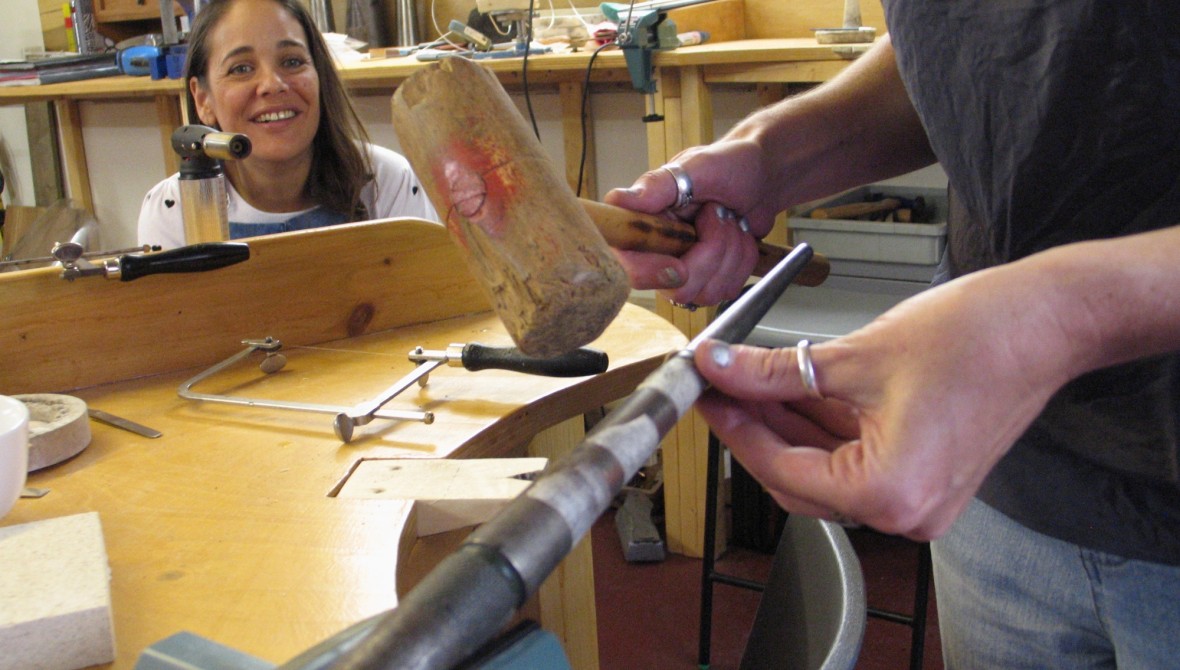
<point>696,108</point>
<point>53,28</point>
<point>749,52</point>
<point>724,20</point>
<point>450,493</point>
<point>767,95</point>
<point>69,121</point>
<point>42,132</point>
<point>567,607</point>
<point>687,101</point>
<point>680,454</point>
<point>668,100</point>
<point>812,72</point>
<point>120,87</point>
<point>453,496</point>
<point>306,287</point>
<point>18,221</point>
<point>168,118</point>
<point>686,458</point>
<point>775,18</point>
<point>114,11</point>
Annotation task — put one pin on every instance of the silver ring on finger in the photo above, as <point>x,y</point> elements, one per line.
<point>807,369</point>
<point>683,185</point>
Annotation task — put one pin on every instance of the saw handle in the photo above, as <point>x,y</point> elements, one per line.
<point>577,363</point>
<point>191,258</point>
<point>635,231</point>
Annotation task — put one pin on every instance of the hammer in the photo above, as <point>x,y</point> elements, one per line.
<point>540,253</point>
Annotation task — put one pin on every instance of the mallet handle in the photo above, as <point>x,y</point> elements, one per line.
<point>635,231</point>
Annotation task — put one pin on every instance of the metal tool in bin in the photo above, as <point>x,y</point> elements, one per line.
<point>473,357</point>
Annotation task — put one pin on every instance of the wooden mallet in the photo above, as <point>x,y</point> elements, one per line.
<point>540,253</point>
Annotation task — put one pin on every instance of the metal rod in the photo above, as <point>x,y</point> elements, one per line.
<point>472,594</point>
<point>86,255</point>
<point>360,414</point>
<point>185,390</point>
<point>349,418</point>
<point>662,5</point>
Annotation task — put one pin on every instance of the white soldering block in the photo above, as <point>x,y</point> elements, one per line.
<point>55,595</point>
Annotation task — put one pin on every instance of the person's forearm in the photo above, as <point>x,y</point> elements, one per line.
<point>1100,302</point>
<point>857,128</point>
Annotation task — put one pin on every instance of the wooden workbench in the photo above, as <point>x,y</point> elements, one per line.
<point>225,525</point>
<point>686,78</point>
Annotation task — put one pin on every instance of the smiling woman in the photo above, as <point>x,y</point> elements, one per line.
<point>261,68</point>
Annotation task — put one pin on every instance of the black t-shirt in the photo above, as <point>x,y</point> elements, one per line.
<point>1058,121</point>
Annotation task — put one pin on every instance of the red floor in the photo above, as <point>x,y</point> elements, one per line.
<point>648,612</point>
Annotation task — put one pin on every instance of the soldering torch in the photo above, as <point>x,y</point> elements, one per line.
<point>202,179</point>
<point>196,142</point>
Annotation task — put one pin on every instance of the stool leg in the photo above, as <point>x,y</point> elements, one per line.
<point>921,600</point>
<point>705,635</point>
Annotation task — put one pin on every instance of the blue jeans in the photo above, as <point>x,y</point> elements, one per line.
<point>1012,598</point>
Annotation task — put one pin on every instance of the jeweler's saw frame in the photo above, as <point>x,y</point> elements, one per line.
<point>473,357</point>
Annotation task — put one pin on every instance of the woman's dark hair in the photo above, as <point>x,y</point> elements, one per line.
<point>339,168</point>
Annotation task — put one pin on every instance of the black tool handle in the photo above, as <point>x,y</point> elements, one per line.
<point>577,363</point>
<point>192,258</point>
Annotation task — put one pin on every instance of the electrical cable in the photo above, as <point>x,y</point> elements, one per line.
<point>443,33</point>
<point>577,15</point>
<point>505,32</point>
<point>3,210</point>
<point>585,105</point>
<point>524,68</point>
<point>552,16</point>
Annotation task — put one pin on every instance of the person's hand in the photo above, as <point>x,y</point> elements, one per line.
<point>731,208</point>
<point>919,406</point>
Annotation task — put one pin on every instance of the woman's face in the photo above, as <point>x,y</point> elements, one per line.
<point>261,81</point>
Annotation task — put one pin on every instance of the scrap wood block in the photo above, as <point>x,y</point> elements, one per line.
<point>55,595</point>
<point>724,20</point>
<point>450,492</point>
<point>17,221</point>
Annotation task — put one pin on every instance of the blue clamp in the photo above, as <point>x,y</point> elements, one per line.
<point>641,33</point>
<point>139,60</point>
<point>174,60</point>
<point>158,62</point>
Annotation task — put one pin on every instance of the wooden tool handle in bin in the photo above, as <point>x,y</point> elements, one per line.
<point>854,209</point>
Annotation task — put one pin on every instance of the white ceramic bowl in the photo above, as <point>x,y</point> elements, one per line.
<point>14,451</point>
